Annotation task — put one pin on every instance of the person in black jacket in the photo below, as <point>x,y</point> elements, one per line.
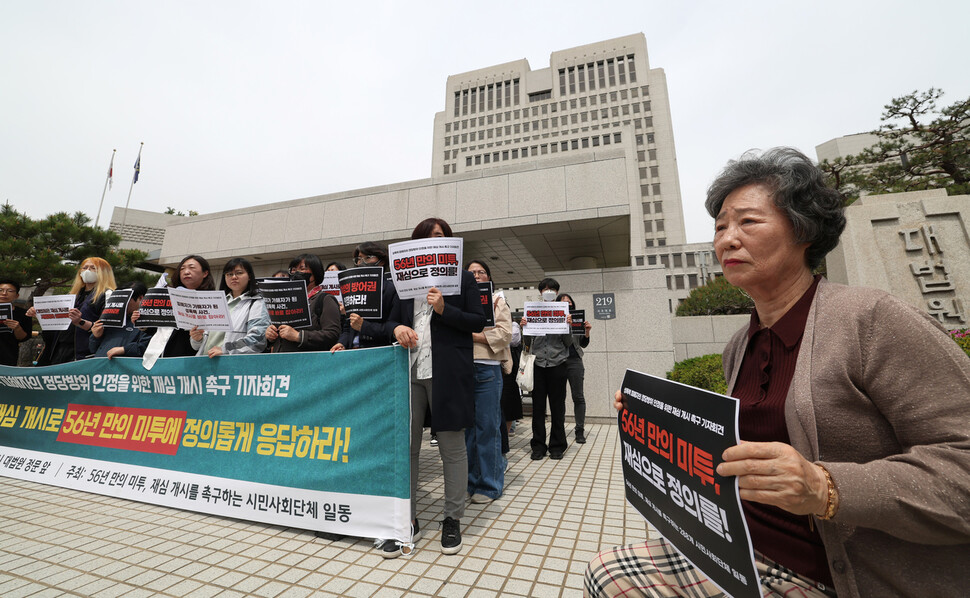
<point>95,279</point>
<point>127,341</point>
<point>15,329</point>
<point>324,329</point>
<point>438,330</point>
<point>361,333</point>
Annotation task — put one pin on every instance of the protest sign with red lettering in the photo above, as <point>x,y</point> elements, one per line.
<point>286,301</point>
<point>672,437</point>
<point>206,309</point>
<point>362,290</point>
<point>546,317</point>
<point>420,264</point>
<point>52,311</point>
<point>156,309</point>
<point>579,321</point>
<point>331,284</point>
<point>485,290</point>
<point>115,312</point>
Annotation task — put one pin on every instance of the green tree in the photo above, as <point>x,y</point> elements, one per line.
<point>717,297</point>
<point>920,147</point>
<point>706,371</point>
<point>48,251</point>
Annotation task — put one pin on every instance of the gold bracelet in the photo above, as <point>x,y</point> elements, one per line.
<point>832,498</point>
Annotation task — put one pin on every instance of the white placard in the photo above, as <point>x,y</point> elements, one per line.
<point>331,285</point>
<point>545,317</point>
<point>206,309</point>
<point>52,311</point>
<point>420,264</point>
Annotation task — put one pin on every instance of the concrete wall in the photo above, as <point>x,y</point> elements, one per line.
<point>694,336</point>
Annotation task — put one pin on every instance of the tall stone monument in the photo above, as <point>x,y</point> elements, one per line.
<point>913,245</point>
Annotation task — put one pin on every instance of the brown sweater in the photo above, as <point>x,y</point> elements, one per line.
<point>881,397</point>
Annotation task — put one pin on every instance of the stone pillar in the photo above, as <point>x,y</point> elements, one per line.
<point>913,245</point>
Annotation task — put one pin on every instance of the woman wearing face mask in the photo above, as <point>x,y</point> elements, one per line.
<point>247,315</point>
<point>94,281</point>
<point>324,313</point>
<point>361,333</point>
<point>549,381</point>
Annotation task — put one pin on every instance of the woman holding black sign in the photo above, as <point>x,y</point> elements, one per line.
<point>483,441</point>
<point>324,313</point>
<point>361,333</point>
<point>855,425</point>
<point>94,280</point>
<point>247,315</point>
<point>576,372</point>
<point>439,330</point>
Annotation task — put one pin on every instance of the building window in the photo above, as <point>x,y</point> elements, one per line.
<point>468,161</point>
<point>651,260</point>
<point>564,146</point>
<point>648,227</point>
<point>596,140</point>
<point>474,102</point>
<point>643,173</point>
<point>602,76</point>
<point>606,139</point>
<point>650,138</point>
<point>662,242</point>
<point>649,243</point>
<point>658,207</point>
<point>621,70</point>
<point>581,75</point>
<point>692,281</point>
<point>678,258</point>
<point>691,261</point>
<point>669,286</point>
<point>660,226</point>
<point>654,172</point>
<point>610,69</point>
<point>645,90</point>
<point>515,154</point>
<point>575,144</point>
<point>645,192</point>
<point>505,155</point>
<point>665,260</point>
<point>616,138</point>
<point>515,91</point>
<point>656,188</point>
<point>680,282</point>
<point>631,69</point>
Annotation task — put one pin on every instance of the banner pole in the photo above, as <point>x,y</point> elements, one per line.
<point>134,178</point>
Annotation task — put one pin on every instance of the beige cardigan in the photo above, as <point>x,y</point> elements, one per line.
<point>881,397</point>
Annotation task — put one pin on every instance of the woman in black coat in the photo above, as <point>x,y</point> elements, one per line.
<point>442,376</point>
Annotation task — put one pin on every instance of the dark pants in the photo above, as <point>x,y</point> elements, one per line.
<point>575,372</point>
<point>549,383</point>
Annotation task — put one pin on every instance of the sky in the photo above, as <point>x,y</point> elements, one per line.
<point>245,103</point>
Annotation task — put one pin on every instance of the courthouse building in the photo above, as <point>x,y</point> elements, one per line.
<point>569,170</point>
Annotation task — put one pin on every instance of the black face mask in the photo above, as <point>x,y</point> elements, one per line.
<point>304,276</point>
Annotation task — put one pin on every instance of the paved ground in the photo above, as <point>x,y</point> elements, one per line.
<point>534,541</point>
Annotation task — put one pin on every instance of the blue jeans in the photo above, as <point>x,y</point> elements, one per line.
<point>483,441</point>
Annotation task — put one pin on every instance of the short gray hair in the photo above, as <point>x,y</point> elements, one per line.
<point>815,210</point>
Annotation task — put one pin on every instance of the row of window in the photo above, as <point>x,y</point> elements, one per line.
<point>564,105</point>
<point>680,260</point>
<point>543,149</point>
<point>487,97</point>
<point>545,124</point>
<point>605,72</point>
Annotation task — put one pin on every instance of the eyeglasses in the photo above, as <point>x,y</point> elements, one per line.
<point>362,259</point>
<point>8,290</point>
<point>235,274</point>
<point>478,272</point>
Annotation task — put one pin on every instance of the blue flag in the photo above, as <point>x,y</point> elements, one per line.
<point>137,168</point>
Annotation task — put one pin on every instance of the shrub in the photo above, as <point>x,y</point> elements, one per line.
<point>705,372</point>
<point>718,297</point>
<point>962,337</point>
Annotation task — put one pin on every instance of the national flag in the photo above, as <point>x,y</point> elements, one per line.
<point>137,168</point>
<point>111,170</point>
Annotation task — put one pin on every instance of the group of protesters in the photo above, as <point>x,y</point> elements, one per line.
<point>463,374</point>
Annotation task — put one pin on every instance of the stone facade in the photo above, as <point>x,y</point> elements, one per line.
<point>913,245</point>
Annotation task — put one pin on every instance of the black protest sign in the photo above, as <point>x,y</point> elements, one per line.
<point>604,306</point>
<point>485,290</point>
<point>6,313</point>
<point>363,290</point>
<point>156,309</point>
<point>579,321</point>
<point>285,301</point>
<point>672,438</point>
<point>115,312</point>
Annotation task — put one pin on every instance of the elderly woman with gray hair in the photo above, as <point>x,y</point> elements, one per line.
<point>854,466</point>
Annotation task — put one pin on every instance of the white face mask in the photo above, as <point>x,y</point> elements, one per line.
<point>548,295</point>
<point>89,276</point>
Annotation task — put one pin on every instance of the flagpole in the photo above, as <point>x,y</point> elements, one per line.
<point>107,180</point>
<point>134,178</point>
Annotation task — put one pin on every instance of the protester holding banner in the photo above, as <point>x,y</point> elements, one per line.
<point>247,315</point>
<point>361,333</point>
<point>576,372</point>
<point>94,279</point>
<point>324,329</point>
<point>853,409</point>
<point>483,441</point>
<point>549,375</point>
<point>16,324</point>
<point>193,274</point>
<point>438,330</point>
<point>126,341</point>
